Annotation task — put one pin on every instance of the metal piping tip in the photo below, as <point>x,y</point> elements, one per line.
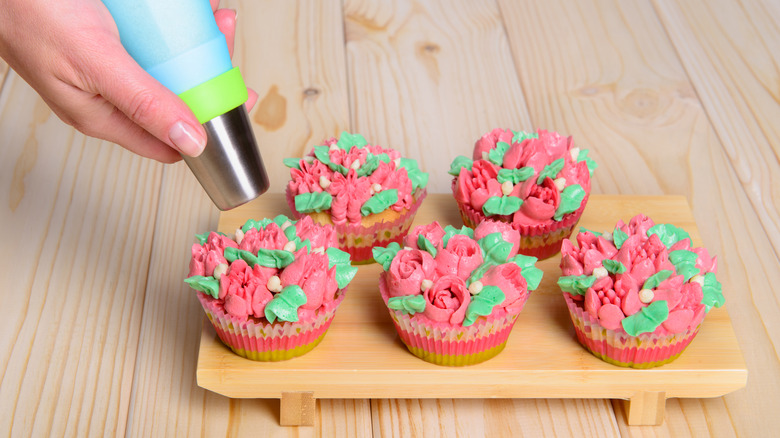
<point>230,168</point>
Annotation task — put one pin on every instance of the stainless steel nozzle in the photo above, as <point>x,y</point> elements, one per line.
<point>230,168</point>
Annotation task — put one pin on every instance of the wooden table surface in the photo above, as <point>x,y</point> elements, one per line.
<point>100,334</point>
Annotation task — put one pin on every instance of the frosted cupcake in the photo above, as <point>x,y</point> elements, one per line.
<point>454,294</point>
<point>272,291</point>
<point>638,294</point>
<point>538,182</point>
<point>370,194</point>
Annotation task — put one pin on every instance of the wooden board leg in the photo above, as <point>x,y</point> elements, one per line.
<point>297,409</point>
<point>645,408</point>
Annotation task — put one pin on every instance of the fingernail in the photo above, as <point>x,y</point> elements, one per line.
<point>187,139</point>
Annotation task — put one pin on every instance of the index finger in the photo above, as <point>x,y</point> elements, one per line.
<point>214,5</point>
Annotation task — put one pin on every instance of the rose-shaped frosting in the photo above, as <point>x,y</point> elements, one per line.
<point>461,256</point>
<point>539,201</point>
<point>433,232</point>
<point>508,277</point>
<point>319,236</point>
<point>311,273</point>
<point>407,271</point>
<point>447,300</point>
<point>508,233</point>
<point>207,256</point>
<point>244,290</point>
<point>489,140</point>
<point>642,278</point>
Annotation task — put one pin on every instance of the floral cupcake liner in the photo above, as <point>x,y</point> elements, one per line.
<point>266,342</point>
<point>616,347</point>
<point>359,240</point>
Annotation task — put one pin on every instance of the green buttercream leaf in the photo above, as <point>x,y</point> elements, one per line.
<point>712,291</point>
<point>291,233</point>
<point>344,275</point>
<point>459,162</point>
<point>614,266</point>
<point>529,271</point>
<point>583,155</point>
<point>647,319</point>
<point>515,176</point>
<point>383,157</point>
<point>202,238</point>
<point>482,304</point>
<point>285,304</point>
<point>323,154</point>
<point>300,244</point>
<point>551,170</point>
<point>408,304</point>
<point>501,205</point>
<point>347,140</point>
<point>416,176</point>
<point>450,231</point>
<point>208,285</point>
<point>571,199</point>
<point>521,136</point>
<point>496,155</point>
<point>272,258</point>
<point>426,245</point>
<point>495,250</point>
<point>313,202</point>
<point>232,254</point>
<point>258,225</point>
<point>372,162</point>
<point>654,280</point>
<point>576,284</point>
<point>595,233</point>
<point>619,237</point>
<point>293,163</point>
<point>345,272</point>
<point>668,233</point>
<point>379,202</point>
<point>479,272</point>
<point>684,262</point>
<point>384,256</point>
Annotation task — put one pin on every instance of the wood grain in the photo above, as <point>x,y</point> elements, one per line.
<point>76,217</point>
<point>661,143</point>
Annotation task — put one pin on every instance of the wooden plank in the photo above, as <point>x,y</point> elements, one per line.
<point>606,72</point>
<point>76,217</point>
<point>731,55</point>
<point>292,48</point>
<point>297,409</point>
<point>361,356</point>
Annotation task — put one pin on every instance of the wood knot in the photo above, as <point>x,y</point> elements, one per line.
<point>640,103</point>
<point>311,92</point>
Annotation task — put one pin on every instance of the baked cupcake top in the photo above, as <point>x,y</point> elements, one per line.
<point>351,179</point>
<point>277,269</point>
<point>641,277</point>
<point>528,178</point>
<point>454,276</point>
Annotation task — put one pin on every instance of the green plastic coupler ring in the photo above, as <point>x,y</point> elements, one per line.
<point>216,96</point>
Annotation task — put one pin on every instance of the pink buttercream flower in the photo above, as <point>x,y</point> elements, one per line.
<point>433,232</point>
<point>307,178</point>
<point>310,271</point>
<point>539,201</point>
<point>461,256</point>
<point>508,233</point>
<point>508,277</point>
<point>318,235</point>
<point>407,271</point>
<point>244,289</point>
<point>390,178</point>
<point>481,179</point>
<point>272,237</point>
<point>207,256</point>
<point>349,193</point>
<point>447,300</point>
<point>489,141</point>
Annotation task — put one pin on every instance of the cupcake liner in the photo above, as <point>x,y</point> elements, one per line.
<point>451,345</point>
<point>263,341</point>
<point>359,240</point>
<point>646,350</point>
<point>542,240</point>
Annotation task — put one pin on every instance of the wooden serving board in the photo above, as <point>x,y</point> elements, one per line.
<point>363,357</point>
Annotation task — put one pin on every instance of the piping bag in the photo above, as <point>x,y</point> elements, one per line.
<point>178,43</point>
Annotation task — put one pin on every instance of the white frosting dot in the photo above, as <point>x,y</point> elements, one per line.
<point>697,279</point>
<point>408,248</point>
<point>239,236</point>
<point>600,272</point>
<point>646,296</point>
<point>333,147</point>
<point>475,287</point>
<point>309,159</point>
<point>324,182</point>
<point>484,155</point>
<point>575,152</point>
<point>219,270</point>
<point>319,250</point>
<point>607,235</point>
<point>397,162</point>
<point>377,187</point>
<point>274,284</point>
<point>426,284</point>
<point>355,165</point>
<point>560,183</point>
<point>289,246</point>
<point>506,188</point>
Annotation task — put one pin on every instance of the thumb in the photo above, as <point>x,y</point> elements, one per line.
<point>151,106</point>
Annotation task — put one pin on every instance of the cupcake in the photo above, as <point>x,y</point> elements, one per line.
<point>271,293</point>
<point>637,295</point>
<point>368,193</point>
<point>538,182</point>
<point>454,294</point>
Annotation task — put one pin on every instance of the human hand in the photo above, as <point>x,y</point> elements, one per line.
<point>69,51</point>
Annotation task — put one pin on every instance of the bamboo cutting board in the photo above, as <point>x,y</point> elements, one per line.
<point>362,357</point>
